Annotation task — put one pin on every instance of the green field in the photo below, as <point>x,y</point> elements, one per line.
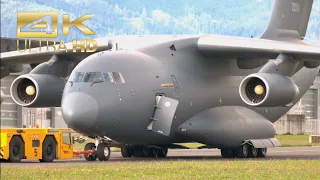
<point>255,169</point>
<point>285,140</point>
<point>295,140</point>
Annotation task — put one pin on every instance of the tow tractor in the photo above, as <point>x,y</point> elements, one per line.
<point>44,145</point>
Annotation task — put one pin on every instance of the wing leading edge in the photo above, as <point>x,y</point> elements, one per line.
<point>223,46</point>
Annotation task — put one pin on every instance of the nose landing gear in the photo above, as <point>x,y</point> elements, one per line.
<point>93,156</point>
<point>101,150</point>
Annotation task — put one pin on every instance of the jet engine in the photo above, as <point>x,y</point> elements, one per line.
<point>37,90</point>
<point>268,90</point>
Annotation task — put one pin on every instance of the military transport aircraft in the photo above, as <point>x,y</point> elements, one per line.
<point>224,92</point>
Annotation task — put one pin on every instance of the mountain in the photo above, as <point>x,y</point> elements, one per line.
<point>118,17</point>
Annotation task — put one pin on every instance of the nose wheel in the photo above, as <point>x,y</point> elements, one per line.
<point>93,156</point>
<point>99,150</point>
<point>103,152</point>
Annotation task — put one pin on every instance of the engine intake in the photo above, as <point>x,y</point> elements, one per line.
<point>269,90</point>
<point>37,90</point>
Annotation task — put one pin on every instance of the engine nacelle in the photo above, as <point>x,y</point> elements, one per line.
<point>268,90</point>
<point>2,96</point>
<point>37,90</point>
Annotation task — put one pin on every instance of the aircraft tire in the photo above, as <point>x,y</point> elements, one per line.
<point>49,149</point>
<point>126,151</point>
<point>154,152</point>
<point>92,157</point>
<point>162,152</point>
<point>103,152</point>
<point>242,151</point>
<point>147,152</point>
<point>253,152</point>
<point>16,149</point>
<point>137,152</point>
<point>227,153</point>
<point>262,152</point>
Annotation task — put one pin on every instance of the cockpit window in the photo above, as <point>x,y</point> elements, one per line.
<point>118,78</point>
<point>108,77</point>
<point>93,77</point>
<point>78,76</point>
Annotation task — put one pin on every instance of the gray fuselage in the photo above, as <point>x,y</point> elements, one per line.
<point>122,111</point>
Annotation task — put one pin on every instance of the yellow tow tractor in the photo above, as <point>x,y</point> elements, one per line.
<point>45,145</point>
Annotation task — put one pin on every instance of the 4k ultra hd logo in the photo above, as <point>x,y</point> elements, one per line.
<point>45,25</point>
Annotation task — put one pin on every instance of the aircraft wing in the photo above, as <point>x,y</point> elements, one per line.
<point>249,47</point>
<point>44,53</point>
<point>212,45</point>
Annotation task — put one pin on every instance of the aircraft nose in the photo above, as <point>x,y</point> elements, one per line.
<point>79,110</point>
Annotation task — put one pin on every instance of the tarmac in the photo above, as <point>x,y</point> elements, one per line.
<point>280,153</point>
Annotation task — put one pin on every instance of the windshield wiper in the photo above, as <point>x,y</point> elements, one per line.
<point>99,81</point>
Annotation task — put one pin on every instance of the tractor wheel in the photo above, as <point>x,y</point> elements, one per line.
<point>16,149</point>
<point>49,149</point>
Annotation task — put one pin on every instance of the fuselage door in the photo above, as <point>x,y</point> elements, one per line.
<point>163,116</point>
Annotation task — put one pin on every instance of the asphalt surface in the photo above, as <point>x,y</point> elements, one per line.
<point>280,153</point>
